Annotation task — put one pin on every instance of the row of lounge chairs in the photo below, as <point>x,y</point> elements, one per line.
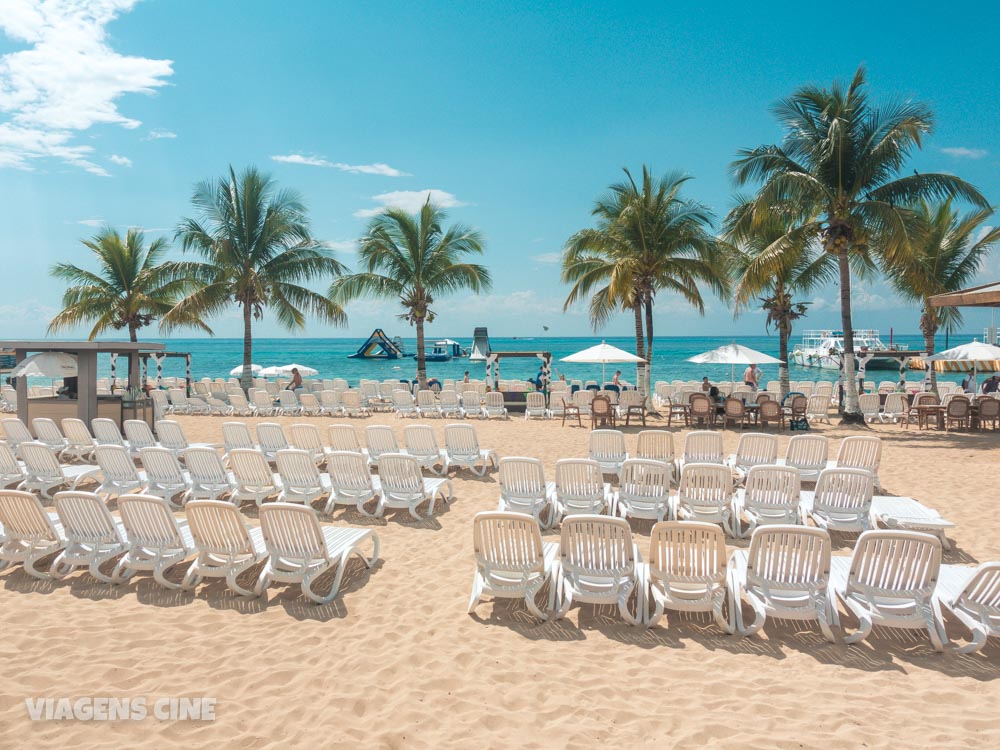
<point>892,578</point>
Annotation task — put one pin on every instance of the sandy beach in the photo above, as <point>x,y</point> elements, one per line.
<point>395,661</point>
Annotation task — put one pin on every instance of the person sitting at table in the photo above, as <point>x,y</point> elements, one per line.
<point>969,383</point>
<point>991,384</point>
<point>716,395</point>
<point>706,384</point>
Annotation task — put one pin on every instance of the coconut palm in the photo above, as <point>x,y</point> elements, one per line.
<point>649,239</point>
<point>257,252</point>
<point>841,161</point>
<point>131,288</point>
<point>945,255</point>
<point>413,258</point>
<point>778,276</point>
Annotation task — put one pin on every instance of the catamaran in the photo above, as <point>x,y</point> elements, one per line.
<point>823,349</point>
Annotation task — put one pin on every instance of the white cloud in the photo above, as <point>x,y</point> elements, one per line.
<point>92,222</point>
<point>548,258</point>
<point>344,246</point>
<point>378,168</point>
<point>122,161</point>
<point>410,201</point>
<point>66,81</point>
<point>156,135</point>
<point>983,231</point>
<point>961,152</point>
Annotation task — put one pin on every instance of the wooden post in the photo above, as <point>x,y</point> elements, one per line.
<point>86,405</point>
<point>22,388</point>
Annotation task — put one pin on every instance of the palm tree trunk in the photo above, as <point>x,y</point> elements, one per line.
<point>639,344</point>
<point>421,360</point>
<point>852,411</point>
<point>246,377</point>
<point>784,333</point>
<point>132,333</point>
<point>645,383</point>
<point>929,329</point>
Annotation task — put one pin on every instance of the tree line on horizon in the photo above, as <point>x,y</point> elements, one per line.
<point>828,203</point>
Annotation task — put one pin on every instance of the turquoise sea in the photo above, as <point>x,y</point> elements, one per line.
<point>216,357</point>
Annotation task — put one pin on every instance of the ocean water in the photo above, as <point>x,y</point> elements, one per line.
<point>216,357</point>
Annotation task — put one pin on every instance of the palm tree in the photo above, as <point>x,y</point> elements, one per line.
<point>257,251</point>
<point>945,256</point>
<point>648,239</point>
<point>131,288</point>
<point>414,259</point>
<point>840,162</point>
<point>778,276</point>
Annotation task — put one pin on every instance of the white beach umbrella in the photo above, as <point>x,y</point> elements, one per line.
<point>304,370</point>
<point>603,354</point>
<point>46,365</point>
<point>732,355</point>
<point>975,356</point>
<point>238,371</point>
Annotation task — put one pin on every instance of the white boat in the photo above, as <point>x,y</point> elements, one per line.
<point>823,349</point>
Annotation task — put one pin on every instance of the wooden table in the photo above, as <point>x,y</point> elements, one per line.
<point>926,412</point>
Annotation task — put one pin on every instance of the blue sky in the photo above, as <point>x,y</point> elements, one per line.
<point>518,117</point>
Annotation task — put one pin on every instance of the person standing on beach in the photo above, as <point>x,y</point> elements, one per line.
<point>616,380</point>
<point>466,377</point>
<point>706,384</point>
<point>751,376</point>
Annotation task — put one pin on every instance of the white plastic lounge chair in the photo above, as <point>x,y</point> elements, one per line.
<point>907,513</point>
<point>301,480</point>
<point>156,541</point>
<point>93,536</point>
<point>106,432</point>
<point>461,446</point>
<point>263,404</point>
<point>657,445</point>
<point>139,436</point>
<point>239,406</point>
<point>43,472</point>
<point>706,494</point>
<point>207,474</point>
<point>580,488</point>
<point>27,532</point>
<point>225,543</point>
<point>254,478</point>
<point>236,436</point>
<point>703,447</point>
<point>161,404</point>
<point>300,549</point>
<point>403,402</point>
<point>380,440</point>
<point>842,500</point>
<point>288,403</point>
<point>329,403</point>
<point>450,404</point>
<point>343,437</point>
<point>512,562</point>
<point>583,399</point>
<point>164,476</point>
<point>607,448</point>
<point>534,406</point>
<point>306,437</point>
<point>818,408</point>
<point>597,564</point>
<point>523,490</point>
<point>427,405</point>
<point>350,401</point>
<point>422,445</point>
<point>870,405</point>
<point>686,571</point>
<point>172,437</point>
<point>861,452</point>
<point>118,473</point>
<point>11,472</point>
<point>754,449</point>
<point>771,496</point>
<point>47,432</point>
<point>807,453</point>
<point>403,486</point>
<point>352,483</point>
<point>896,408</point>
<point>472,403</point>
<point>644,491</point>
<point>890,580</point>
<point>493,406</point>
<point>973,596</point>
<point>309,405</point>
<point>79,442</point>
<point>785,573</point>
<point>272,439</point>
<point>16,432</point>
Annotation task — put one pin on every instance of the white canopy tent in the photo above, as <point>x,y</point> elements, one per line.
<point>603,354</point>
<point>976,356</point>
<point>732,355</point>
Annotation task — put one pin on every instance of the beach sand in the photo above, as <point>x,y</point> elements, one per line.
<point>395,661</point>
